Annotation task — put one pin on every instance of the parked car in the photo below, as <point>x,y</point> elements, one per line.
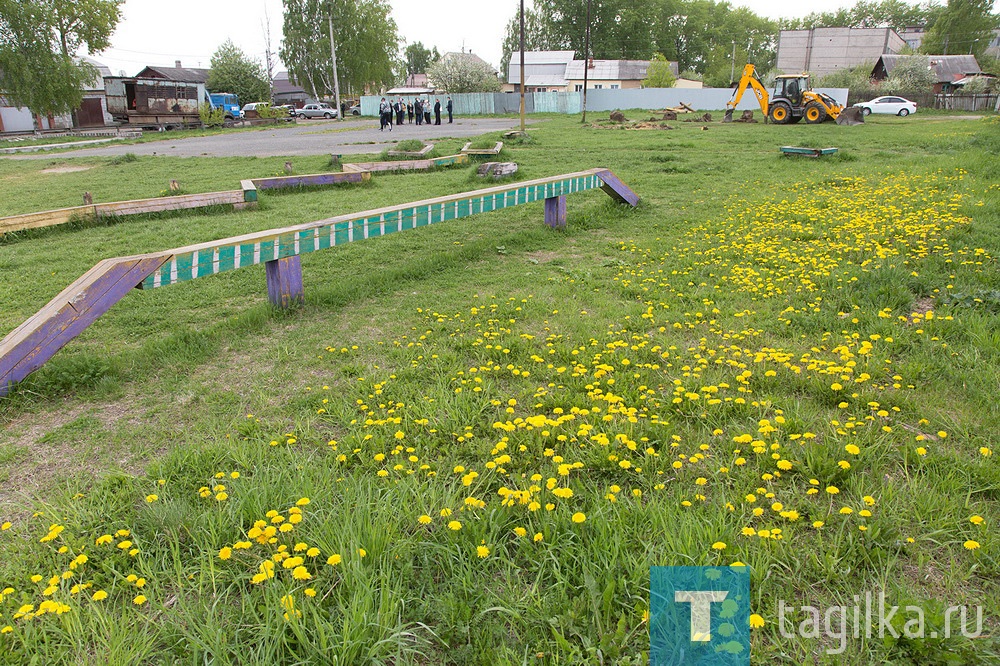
<point>355,110</point>
<point>888,104</point>
<point>321,110</point>
<point>253,109</point>
<point>288,108</point>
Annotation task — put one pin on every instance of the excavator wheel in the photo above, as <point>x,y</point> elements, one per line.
<point>781,114</point>
<point>814,113</point>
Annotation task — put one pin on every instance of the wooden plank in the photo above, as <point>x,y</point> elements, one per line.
<point>311,180</point>
<point>467,149</point>
<point>48,218</point>
<point>412,153</point>
<point>69,314</point>
<point>249,190</point>
<point>161,204</point>
<point>284,282</point>
<point>617,189</point>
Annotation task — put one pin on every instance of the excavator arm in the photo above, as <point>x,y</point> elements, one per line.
<point>748,80</point>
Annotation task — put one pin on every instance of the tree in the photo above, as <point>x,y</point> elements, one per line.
<point>418,58</point>
<point>233,71</point>
<point>39,41</point>
<point>894,14</point>
<point>912,74</point>
<point>463,73</point>
<point>365,36</point>
<point>538,36</point>
<point>964,26</point>
<point>659,74</point>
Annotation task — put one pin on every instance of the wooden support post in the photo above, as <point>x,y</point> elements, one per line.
<point>284,281</point>
<point>616,189</point>
<point>555,212</point>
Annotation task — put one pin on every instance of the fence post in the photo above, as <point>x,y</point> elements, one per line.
<point>555,212</point>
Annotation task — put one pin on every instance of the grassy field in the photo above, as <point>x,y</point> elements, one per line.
<point>474,439</point>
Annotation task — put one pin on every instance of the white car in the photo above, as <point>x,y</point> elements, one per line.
<point>888,104</point>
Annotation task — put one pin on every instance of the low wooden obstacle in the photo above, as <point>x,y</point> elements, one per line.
<point>405,165</point>
<point>416,154</point>
<point>67,315</point>
<point>787,151</point>
<point>310,180</point>
<point>236,198</point>
<point>467,149</point>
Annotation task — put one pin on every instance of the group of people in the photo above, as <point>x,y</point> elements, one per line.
<point>396,112</point>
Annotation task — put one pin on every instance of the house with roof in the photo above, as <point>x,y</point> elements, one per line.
<point>948,69</point>
<point>93,111</point>
<point>286,92</point>
<point>176,73</point>
<point>558,71</point>
<point>822,51</point>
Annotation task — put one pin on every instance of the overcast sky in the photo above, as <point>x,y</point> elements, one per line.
<point>159,33</point>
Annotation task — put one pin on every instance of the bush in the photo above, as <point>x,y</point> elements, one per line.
<point>211,117</point>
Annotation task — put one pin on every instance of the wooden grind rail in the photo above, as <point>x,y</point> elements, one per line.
<point>67,315</point>
<point>49,218</point>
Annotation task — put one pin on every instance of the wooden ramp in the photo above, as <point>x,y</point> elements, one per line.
<point>67,315</point>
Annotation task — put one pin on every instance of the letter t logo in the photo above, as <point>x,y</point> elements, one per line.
<point>701,611</point>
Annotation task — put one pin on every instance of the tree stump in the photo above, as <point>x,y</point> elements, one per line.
<point>617,117</point>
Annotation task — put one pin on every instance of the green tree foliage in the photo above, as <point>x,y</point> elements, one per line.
<point>418,58</point>
<point>659,74</point>
<point>698,34</point>
<point>894,14</point>
<point>365,36</point>
<point>234,72</point>
<point>538,36</point>
<point>39,41</point>
<point>463,73</point>
<point>911,74</point>
<point>964,26</point>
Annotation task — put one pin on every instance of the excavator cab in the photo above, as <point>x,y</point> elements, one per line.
<point>791,88</point>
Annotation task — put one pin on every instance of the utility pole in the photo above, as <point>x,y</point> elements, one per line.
<point>336,79</point>
<point>522,67</point>
<point>732,70</point>
<point>586,63</point>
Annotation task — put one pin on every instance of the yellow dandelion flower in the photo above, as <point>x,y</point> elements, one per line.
<point>309,592</point>
<point>538,537</point>
<point>100,595</point>
<point>152,498</point>
<point>454,525</point>
<point>579,517</point>
<point>971,545</point>
<point>756,621</point>
<point>362,552</point>
<point>334,560</point>
<point>301,573</point>
<point>520,531</point>
<point>225,553</point>
<point>482,551</point>
<point>718,545</point>
<point>976,520</point>
<point>139,600</point>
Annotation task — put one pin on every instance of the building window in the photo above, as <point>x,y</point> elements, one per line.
<point>614,86</point>
<point>598,86</point>
<point>578,87</point>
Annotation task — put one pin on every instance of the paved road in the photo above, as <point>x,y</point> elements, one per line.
<point>305,137</point>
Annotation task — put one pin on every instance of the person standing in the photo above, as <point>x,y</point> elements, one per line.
<point>418,108</point>
<point>400,111</point>
<point>450,107</point>
<point>427,110</point>
<point>409,112</point>
<point>437,111</point>
<point>383,113</point>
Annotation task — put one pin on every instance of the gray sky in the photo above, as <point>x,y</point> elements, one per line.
<point>159,33</point>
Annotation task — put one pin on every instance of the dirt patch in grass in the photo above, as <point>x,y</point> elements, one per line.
<point>66,169</point>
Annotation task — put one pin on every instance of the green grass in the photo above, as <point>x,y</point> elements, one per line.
<point>471,344</point>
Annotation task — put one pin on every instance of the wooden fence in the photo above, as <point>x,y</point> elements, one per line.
<point>67,315</point>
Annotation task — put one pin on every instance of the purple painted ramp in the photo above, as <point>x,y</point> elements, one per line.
<point>618,190</point>
<point>67,315</point>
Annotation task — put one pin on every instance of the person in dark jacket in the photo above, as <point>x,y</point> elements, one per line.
<point>437,111</point>
<point>409,112</point>
<point>384,114</point>
<point>400,111</point>
<point>418,108</point>
<point>450,107</point>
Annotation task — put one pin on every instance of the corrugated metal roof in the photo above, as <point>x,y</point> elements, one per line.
<point>610,70</point>
<point>186,74</point>
<point>542,57</point>
<point>544,81</point>
<point>948,68</point>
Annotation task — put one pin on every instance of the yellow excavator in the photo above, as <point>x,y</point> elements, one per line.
<point>791,100</point>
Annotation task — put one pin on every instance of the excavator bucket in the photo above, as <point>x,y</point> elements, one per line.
<point>728,118</point>
<point>851,115</point>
